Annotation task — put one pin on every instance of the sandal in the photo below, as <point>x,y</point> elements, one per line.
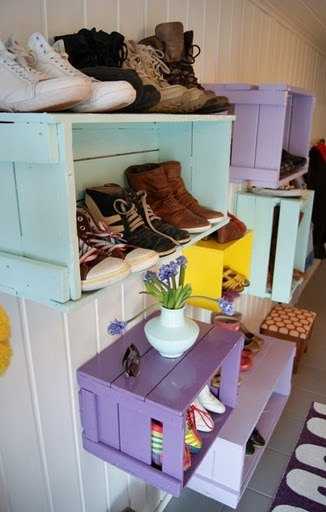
<point>233,280</point>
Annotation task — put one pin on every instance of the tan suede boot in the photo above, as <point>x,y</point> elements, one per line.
<point>172,171</point>
<point>152,178</point>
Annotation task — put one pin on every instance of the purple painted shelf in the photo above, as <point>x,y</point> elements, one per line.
<point>117,411</point>
<point>263,394</point>
<point>269,118</point>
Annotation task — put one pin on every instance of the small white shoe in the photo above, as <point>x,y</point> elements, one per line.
<point>204,421</point>
<point>210,402</point>
<point>23,89</point>
<point>105,96</point>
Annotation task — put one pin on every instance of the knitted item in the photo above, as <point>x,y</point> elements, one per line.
<point>157,443</point>
<point>5,349</point>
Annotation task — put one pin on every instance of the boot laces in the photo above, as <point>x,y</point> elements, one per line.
<point>147,62</point>
<point>129,211</point>
<point>21,61</point>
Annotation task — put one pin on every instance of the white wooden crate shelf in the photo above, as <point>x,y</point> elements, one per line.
<point>47,161</point>
<point>263,393</point>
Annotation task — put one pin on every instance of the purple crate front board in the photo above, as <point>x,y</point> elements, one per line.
<point>269,117</point>
<point>117,410</point>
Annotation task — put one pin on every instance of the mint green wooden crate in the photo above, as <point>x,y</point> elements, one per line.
<point>47,161</point>
<point>292,245</point>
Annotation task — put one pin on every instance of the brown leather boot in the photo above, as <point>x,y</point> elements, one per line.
<point>171,35</point>
<point>152,178</point>
<point>172,171</point>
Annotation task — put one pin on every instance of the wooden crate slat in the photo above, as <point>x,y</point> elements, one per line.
<point>153,369</point>
<point>32,142</point>
<point>10,233</point>
<point>30,277</point>
<point>285,250</point>
<point>244,147</point>
<point>195,370</point>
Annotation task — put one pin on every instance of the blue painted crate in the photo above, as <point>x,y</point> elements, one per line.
<point>292,243</point>
<point>46,162</point>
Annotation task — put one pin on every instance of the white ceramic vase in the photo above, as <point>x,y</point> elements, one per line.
<point>171,333</point>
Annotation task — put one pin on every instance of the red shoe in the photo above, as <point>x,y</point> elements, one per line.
<point>246,361</point>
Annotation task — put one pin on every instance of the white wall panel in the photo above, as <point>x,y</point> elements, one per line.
<point>241,40</point>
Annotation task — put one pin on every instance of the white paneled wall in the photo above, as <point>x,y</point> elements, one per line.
<point>42,465</point>
<point>240,40</point>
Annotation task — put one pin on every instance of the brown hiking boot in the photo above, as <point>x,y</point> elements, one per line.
<point>179,55</point>
<point>152,178</point>
<point>172,171</point>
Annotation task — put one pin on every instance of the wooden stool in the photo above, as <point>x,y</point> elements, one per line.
<point>291,324</point>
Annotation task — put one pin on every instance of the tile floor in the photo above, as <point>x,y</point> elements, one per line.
<point>308,384</point>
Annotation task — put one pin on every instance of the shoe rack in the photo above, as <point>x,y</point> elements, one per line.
<point>292,242</point>
<point>117,410</point>
<point>206,261</point>
<point>47,161</point>
<point>269,118</point>
<point>263,392</point>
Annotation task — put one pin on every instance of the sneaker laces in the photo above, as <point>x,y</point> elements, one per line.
<point>21,61</point>
<point>101,237</point>
<point>87,253</point>
<point>150,216</point>
<point>129,211</point>
<point>58,55</point>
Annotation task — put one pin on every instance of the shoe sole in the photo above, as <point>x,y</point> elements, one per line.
<point>215,220</point>
<point>143,264</point>
<point>103,282</point>
<point>199,229</point>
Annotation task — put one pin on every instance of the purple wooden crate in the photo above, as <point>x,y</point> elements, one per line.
<point>117,411</point>
<point>269,118</point>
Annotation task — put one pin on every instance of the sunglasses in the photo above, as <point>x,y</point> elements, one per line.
<point>131,361</point>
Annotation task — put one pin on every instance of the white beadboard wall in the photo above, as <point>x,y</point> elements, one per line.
<point>42,465</point>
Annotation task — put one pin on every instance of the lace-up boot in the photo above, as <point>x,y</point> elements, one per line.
<point>154,222</point>
<point>105,96</point>
<point>152,179</point>
<point>112,206</point>
<point>22,89</point>
<point>149,64</point>
<point>98,236</point>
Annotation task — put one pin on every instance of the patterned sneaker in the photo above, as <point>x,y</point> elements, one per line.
<point>203,420</point>
<point>110,204</point>
<point>102,239</point>
<point>192,438</point>
<point>97,270</point>
<point>154,222</point>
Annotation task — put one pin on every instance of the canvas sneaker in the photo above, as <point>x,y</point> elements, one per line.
<point>153,221</point>
<point>22,89</point>
<point>98,270</point>
<point>104,97</point>
<point>101,238</point>
<point>111,205</point>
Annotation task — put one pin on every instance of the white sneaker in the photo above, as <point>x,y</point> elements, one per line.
<point>22,89</point>
<point>210,402</point>
<point>204,421</point>
<point>105,96</point>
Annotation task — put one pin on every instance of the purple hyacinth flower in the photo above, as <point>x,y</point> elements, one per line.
<point>167,271</point>
<point>117,327</point>
<point>226,306</point>
<point>181,261</point>
<point>149,276</point>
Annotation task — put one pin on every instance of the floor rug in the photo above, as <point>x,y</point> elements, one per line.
<point>303,487</point>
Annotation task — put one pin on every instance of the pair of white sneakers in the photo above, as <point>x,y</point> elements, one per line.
<point>39,78</point>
